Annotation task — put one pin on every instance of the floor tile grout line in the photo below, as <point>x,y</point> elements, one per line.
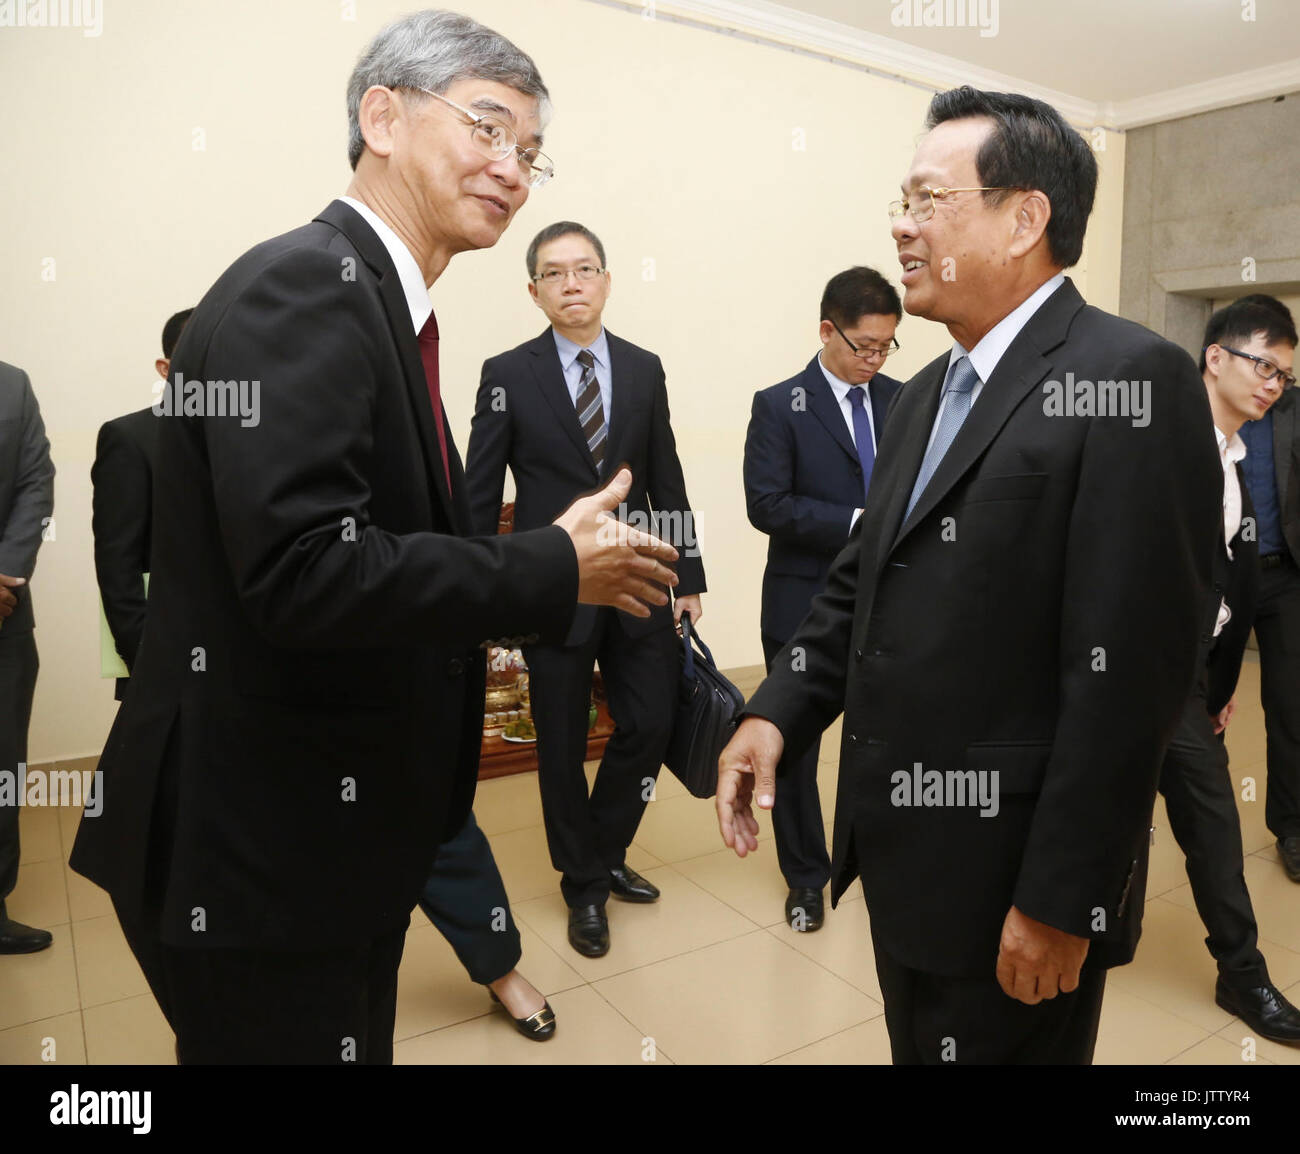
<point>827,1038</point>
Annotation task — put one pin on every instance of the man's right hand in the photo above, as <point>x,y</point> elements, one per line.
<point>747,768</point>
<point>8,601</point>
<point>617,565</point>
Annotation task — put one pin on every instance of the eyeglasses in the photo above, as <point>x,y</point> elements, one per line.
<point>922,208</point>
<point>1265,370</point>
<point>557,276</point>
<point>869,352</point>
<point>497,140</point>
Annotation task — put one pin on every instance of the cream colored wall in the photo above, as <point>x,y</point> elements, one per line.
<point>680,147</point>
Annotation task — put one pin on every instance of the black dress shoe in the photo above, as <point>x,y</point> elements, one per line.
<point>803,910</point>
<point>589,930</point>
<point>630,886</point>
<point>16,938</point>
<point>538,1026</point>
<point>1263,1009</point>
<point>1288,849</point>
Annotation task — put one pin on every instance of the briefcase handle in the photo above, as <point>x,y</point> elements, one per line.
<point>689,634</point>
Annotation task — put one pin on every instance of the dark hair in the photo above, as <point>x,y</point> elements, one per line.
<point>859,292</point>
<point>1031,147</point>
<point>172,331</point>
<point>1238,322</point>
<point>554,232</point>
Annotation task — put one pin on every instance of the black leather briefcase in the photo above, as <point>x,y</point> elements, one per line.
<point>708,708</point>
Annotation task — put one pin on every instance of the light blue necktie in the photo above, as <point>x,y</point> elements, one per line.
<point>956,404</point>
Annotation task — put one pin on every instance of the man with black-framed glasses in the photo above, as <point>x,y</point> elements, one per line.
<point>1258,335</point>
<point>809,454</point>
<point>562,411</point>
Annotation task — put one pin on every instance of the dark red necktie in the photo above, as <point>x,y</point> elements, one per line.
<point>429,355</point>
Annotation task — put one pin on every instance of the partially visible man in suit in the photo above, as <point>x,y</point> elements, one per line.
<point>809,454</point>
<point>122,512</point>
<point>26,505</point>
<point>1012,630</point>
<point>1198,791</point>
<point>302,726</point>
<point>562,411</point>
<point>1272,468</point>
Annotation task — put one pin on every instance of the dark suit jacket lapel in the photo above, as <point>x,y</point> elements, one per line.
<point>823,405</point>
<point>1021,368</point>
<point>1283,440</point>
<point>551,384</point>
<point>373,252</point>
<point>629,391</point>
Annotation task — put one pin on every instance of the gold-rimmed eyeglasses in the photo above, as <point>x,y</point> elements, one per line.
<point>921,204</point>
<point>497,140</point>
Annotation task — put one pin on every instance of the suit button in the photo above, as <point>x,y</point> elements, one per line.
<point>1206,638</point>
<point>858,655</point>
<point>455,667</point>
<point>853,738</point>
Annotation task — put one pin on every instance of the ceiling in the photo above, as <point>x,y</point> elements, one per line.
<point>1118,62</point>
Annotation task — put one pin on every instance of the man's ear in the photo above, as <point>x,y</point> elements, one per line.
<point>826,330</point>
<point>1032,215</point>
<point>532,292</point>
<point>380,108</point>
<point>163,365</point>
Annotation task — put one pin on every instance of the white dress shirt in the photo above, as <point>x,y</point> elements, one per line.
<point>573,371</point>
<point>984,357</point>
<point>1230,452</point>
<point>841,390</point>
<point>408,271</point>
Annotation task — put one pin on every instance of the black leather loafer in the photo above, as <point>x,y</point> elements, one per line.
<point>629,886</point>
<point>589,930</point>
<point>538,1026</point>
<point>1288,849</point>
<point>1263,1009</point>
<point>804,911</point>
<point>16,938</point>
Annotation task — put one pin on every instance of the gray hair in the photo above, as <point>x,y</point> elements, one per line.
<point>433,49</point>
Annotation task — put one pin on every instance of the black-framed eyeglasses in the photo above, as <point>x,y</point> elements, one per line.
<point>497,140</point>
<point>557,276</point>
<point>869,352</point>
<point>1264,370</point>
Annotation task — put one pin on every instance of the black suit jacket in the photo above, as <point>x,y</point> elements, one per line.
<point>1236,580</point>
<point>1038,614</point>
<point>26,490</point>
<point>803,482</point>
<point>302,726</point>
<point>1286,467</point>
<point>121,518</point>
<point>524,419</point>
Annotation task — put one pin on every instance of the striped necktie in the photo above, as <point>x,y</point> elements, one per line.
<point>591,413</point>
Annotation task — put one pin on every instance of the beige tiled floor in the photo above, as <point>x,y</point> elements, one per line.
<point>709,974</point>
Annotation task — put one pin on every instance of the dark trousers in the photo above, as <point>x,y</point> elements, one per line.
<point>466,900</point>
<point>935,1020</point>
<point>797,815</point>
<point>1277,628</point>
<point>1202,810</point>
<point>588,835</point>
<point>261,1007</point>
<point>18,667</point>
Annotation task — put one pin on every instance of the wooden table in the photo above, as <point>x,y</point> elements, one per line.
<point>500,758</point>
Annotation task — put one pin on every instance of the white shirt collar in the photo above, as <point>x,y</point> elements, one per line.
<point>986,355</point>
<point>408,271</point>
<point>1230,450</point>
<point>569,351</point>
<point>838,387</point>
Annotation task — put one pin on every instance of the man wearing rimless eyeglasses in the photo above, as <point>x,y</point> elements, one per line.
<point>302,726</point>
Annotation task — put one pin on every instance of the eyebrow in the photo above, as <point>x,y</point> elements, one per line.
<point>489,106</point>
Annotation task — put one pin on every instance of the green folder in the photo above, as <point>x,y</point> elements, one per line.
<point>110,663</point>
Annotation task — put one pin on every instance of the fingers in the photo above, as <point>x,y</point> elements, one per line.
<point>612,495</point>
<point>7,598</point>
<point>648,545</point>
<point>12,582</point>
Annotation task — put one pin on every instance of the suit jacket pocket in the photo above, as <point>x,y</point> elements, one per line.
<point>1020,765</point>
<point>1011,487</point>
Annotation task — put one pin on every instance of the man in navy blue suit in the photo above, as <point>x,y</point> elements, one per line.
<point>808,457</point>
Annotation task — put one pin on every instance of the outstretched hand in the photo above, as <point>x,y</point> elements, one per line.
<point>747,768</point>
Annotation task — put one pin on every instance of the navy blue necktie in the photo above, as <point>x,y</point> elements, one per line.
<point>862,434</point>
